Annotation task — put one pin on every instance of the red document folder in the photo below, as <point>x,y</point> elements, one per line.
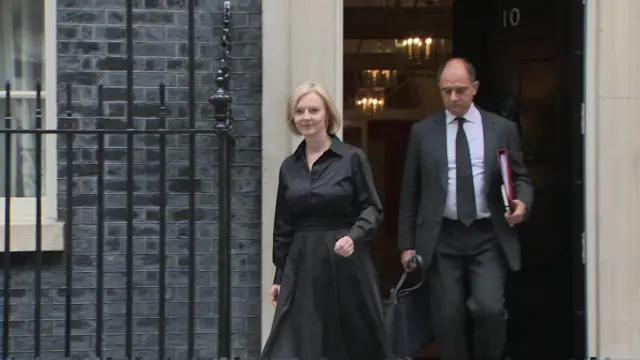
<point>508,188</point>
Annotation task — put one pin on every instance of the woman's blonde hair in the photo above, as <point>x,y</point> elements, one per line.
<point>334,122</point>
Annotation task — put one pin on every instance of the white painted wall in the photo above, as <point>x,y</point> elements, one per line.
<point>613,177</point>
<point>295,49</point>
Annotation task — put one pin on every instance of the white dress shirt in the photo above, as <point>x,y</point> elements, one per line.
<point>475,136</point>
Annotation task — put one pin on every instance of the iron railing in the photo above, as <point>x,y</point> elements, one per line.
<point>98,327</point>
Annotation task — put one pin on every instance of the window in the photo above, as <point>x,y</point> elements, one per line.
<point>433,4</point>
<point>28,48</point>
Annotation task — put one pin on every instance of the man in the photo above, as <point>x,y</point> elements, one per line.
<point>453,215</point>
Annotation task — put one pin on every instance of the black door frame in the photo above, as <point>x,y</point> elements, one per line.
<point>576,83</point>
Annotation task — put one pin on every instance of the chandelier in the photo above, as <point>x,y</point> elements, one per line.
<point>379,78</point>
<point>416,49</point>
<point>369,101</point>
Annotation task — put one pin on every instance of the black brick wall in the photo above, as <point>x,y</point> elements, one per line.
<point>91,49</point>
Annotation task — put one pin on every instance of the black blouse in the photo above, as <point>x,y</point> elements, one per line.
<point>337,193</point>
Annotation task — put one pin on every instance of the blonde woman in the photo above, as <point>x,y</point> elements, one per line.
<point>327,210</point>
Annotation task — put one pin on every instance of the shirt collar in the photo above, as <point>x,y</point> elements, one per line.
<point>472,115</point>
<point>337,147</point>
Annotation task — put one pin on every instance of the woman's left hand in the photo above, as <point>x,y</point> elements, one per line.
<point>344,246</point>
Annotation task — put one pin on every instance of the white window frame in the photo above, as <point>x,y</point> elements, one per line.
<point>23,210</point>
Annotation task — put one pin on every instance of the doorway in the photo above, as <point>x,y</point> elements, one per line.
<point>528,57</point>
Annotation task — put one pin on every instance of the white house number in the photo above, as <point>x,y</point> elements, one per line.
<point>510,18</point>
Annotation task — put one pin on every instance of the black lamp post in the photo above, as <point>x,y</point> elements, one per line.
<point>221,102</point>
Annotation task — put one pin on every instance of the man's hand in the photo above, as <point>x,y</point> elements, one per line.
<point>274,292</point>
<point>517,216</point>
<point>344,246</point>
<point>406,257</point>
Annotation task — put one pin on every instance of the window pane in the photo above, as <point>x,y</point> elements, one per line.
<point>435,4</point>
<point>21,43</point>
<point>22,153</point>
<point>369,46</point>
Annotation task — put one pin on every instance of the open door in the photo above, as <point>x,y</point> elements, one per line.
<point>528,59</point>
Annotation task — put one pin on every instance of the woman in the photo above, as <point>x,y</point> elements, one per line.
<point>327,210</point>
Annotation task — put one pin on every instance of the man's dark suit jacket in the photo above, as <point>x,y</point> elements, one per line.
<point>424,187</point>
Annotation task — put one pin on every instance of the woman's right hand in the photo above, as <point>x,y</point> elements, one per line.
<point>274,293</point>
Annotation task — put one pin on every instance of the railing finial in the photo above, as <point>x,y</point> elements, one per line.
<point>221,100</point>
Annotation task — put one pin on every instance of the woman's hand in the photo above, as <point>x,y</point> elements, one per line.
<point>275,294</point>
<point>344,246</point>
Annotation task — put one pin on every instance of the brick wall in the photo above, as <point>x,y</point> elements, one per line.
<point>91,49</point>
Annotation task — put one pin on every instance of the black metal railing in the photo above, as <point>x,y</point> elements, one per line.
<point>70,130</point>
<point>221,102</point>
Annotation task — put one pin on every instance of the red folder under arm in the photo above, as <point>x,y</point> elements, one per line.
<point>504,162</point>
